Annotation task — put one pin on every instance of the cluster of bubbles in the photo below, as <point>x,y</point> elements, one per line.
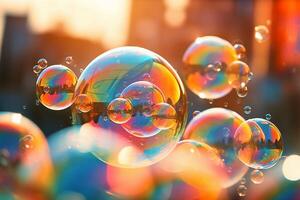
<point>213,67</point>
<point>130,107</point>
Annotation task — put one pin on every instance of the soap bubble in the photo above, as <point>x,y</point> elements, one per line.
<point>257,176</point>
<point>83,103</point>
<point>247,110</point>
<point>164,116</point>
<point>42,63</point>
<point>69,60</point>
<point>36,69</point>
<point>216,127</point>
<point>261,33</point>
<point>201,74</point>
<point>268,116</point>
<point>120,73</point>
<point>24,157</point>
<point>258,143</point>
<point>243,181</point>
<point>240,51</point>
<point>238,74</point>
<point>142,95</point>
<point>242,190</point>
<point>55,87</point>
<point>119,110</point>
<point>242,91</point>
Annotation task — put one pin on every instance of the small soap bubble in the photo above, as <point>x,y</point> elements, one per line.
<point>261,33</point>
<point>268,116</point>
<point>27,142</point>
<point>257,176</point>
<point>196,112</point>
<point>81,70</point>
<point>46,89</point>
<point>240,51</point>
<point>211,72</point>
<point>37,102</point>
<point>242,91</point>
<point>146,77</point>
<point>210,101</point>
<point>243,181</point>
<point>83,103</point>
<point>120,110</point>
<point>24,107</point>
<point>42,63</point>
<point>69,60</point>
<point>36,69</point>
<point>242,190</point>
<point>247,110</point>
<point>251,75</point>
<point>225,104</point>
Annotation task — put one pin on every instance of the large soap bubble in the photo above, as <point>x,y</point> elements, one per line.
<point>258,143</point>
<point>55,87</point>
<point>216,127</point>
<point>25,164</point>
<point>146,80</point>
<point>205,63</point>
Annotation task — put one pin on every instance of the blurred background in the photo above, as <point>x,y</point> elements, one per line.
<point>33,29</point>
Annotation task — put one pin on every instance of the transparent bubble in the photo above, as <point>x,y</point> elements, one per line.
<point>24,156</point>
<point>242,190</point>
<point>43,63</point>
<point>203,52</point>
<point>216,127</point>
<point>225,104</point>
<point>258,143</point>
<point>210,101</point>
<point>251,75</point>
<point>36,69</point>
<point>120,73</point>
<point>81,70</point>
<point>24,107</point>
<point>69,60</point>
<point>143,95</point>
<point>242,91</point>
<point>243,181</point>
<point>27,142</point>
<point>146,77</point>
<point>268,116</point>
<point>195,113</point>
<point>211,72</point>
<point>238,74</point>
<point>164,116</point>
<point>247,110</point>
<point>261,33</point>
<point>257,176</point>
<point>83,103</point>
<point>120,110</point>
<point>240,51</point>
<point>55,87</point>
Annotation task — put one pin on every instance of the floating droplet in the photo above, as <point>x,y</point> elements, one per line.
<point>257,176</point>
<point>242,190</point>
<point>43,63</point>
<point>247,110</point>
<point>238,74</point>
<point>164,116</point>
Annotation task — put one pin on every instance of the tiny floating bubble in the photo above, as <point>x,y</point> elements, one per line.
<point>268,116</point>
<point>240,50</point>
<point>261,33</point>
<point>242,91</point>
<point>81,70</point>
<point>242,190</point>
<point>26,142</point>
<point>247,110</point>
<point>257,176</point>
<point>36,69</point>
<point>210,101</point>
<point>69,60</point>
<point>243,181</point>
<point>43,63</point>
<point>225,104</point>
<point>37,102</point>
<point>46,89</point>
<point>24,107</point>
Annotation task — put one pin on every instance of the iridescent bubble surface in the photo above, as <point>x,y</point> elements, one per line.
<point>238,74</point>
<point>135,74</point>
<point>24,157</point>
<point>240,51</point>
<point>204,52</point>
<point>258,143</point>
<point>164,116</point>
<point>83,103</point>
<point>216,127</point>
<point>143,95</point>
<point>55,87</point>
<point>120,110</point>
<point>257,176</point>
